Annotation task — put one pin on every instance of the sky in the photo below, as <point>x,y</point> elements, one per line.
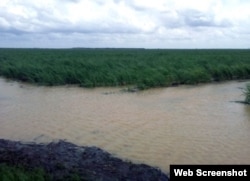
<point>125,23</point>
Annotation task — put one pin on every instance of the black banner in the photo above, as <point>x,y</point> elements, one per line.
<point>209,172</point>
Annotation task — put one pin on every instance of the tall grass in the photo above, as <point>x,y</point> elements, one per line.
<point>12,173</point>
<point>115,67</point>
<point>247,94</point>
<point>19,173</point>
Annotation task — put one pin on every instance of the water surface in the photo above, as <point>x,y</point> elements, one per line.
<point>177,125</point>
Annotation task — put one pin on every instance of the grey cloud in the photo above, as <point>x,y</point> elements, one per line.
<point>4,25</point>
<point>194,18</point>
<point>95,27</point>
<point>170,19</point>
<point>139,7</point>
<point>74,1</point>
<point>18,23</point>
<point>136,7</point>
<point>52,23</point>
<point>67,28</point>
<point>191,18</point>
<point>69,1</point>
<point>42,20</point>
<point>13,31</point>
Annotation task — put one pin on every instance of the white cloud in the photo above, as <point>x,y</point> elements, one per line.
<point>125,23</point>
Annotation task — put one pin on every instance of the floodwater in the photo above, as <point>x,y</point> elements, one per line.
<point>178,125</point>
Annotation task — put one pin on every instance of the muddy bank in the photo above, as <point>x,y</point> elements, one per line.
<point>61,159</point>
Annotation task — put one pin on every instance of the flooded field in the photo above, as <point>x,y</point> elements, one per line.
<point>178,125</point>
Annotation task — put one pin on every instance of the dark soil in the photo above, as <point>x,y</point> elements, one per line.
<point>62,159</point>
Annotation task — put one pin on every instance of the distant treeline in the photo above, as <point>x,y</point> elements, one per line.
<point>143,68</point>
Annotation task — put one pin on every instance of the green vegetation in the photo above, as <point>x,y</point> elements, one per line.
<point>247,94</point>
<point>18,173</point>
<point>11,173</point>
<point>115,67</point>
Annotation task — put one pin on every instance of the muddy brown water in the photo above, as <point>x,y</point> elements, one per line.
<point>177,125</point>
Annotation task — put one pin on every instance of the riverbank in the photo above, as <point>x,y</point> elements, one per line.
<point>61,160</point>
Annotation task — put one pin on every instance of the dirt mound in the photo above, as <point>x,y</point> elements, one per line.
<point>61,159</point>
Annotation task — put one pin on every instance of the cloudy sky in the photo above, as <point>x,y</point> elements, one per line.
<point>125,23</point>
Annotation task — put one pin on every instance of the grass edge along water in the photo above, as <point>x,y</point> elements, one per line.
<point>247,93</point>
<point>142,68</point>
